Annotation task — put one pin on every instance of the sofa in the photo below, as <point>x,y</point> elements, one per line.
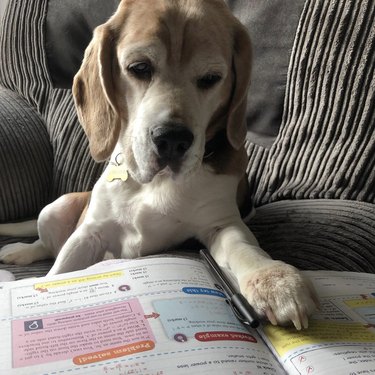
<point>310,117</point>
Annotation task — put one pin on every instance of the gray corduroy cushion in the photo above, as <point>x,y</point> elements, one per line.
<point>272,25</point>
<point>318,234</point>
<point>326,144</point>
<point>25,71</point>
<point>25,159</point>
<point>325,148</point>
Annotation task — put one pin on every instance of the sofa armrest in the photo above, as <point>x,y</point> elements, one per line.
<point>25,159</point>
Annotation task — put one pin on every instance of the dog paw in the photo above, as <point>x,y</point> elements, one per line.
<point>17,254</point>
<point>280,293</point>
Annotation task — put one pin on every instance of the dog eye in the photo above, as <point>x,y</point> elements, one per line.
<point>141,70</point>
<point>207,81</point>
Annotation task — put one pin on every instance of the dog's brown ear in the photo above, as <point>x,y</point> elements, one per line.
<point>94,95</point>
<point>236,123</point>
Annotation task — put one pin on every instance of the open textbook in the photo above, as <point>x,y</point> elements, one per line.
<point>168,316</point>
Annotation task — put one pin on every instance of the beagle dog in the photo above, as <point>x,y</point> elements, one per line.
<point>161,93</point>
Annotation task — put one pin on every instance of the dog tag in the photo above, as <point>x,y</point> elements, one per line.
<point>117,172</point>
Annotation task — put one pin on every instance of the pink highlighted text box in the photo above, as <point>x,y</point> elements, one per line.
<point>63,336</point>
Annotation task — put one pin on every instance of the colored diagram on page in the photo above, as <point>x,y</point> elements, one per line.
<point>364,307</point>
<point>202,319</point>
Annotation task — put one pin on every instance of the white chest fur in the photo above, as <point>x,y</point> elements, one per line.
<point>141,219</point>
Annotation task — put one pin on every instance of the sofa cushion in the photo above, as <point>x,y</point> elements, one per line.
<point>25,159</point>
<point>69,27</point>
<point>3,5</point>
<point>272,25</point>
<point>74,168</point>
<point>24,70</point>
<point>325,147</point>
<point>325,234</point>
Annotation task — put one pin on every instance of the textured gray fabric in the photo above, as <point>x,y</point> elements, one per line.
<point>325,148</point>
<point>38,269</point>
<point>24,70</point>
<point>326,145</point>
<point>25,159</point>
<point>272,25</point>
<point>67,37</point>
<point>3,5</point>
<point>318,234</point>
<point>74,169</point>
<point>22,63</point>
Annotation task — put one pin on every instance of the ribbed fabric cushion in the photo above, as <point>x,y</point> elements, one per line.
<point>25,159</point>
<point>67,37</point>
<point>272,26</point>
<point>318,234</point>
<point>23,67</point>
<point>25,71</point>
<point>74,169</point>
<point>325,148</point>
<point>326,145</point>
<point>37,269</point>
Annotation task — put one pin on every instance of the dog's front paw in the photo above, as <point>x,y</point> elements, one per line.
<point>280,293</point>
<point>16,253</point>
<point>21,254</point>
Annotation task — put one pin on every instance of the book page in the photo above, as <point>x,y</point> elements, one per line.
<point>156,316</point>
<point>341,337</point>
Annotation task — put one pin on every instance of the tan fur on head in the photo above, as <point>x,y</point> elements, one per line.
<point>108,100</point>
<point>94,95</point>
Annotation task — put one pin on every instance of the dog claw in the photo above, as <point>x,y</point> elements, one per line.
<point>297,323</point>
<point>271,316</point>
<point>305,321</point>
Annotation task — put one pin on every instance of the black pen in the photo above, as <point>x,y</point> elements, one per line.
<point>240,305</point>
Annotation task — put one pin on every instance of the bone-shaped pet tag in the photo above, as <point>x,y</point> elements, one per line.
<point>117,172</point>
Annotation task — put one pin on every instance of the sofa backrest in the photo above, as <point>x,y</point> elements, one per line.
<point>326,144</point>
<point>3,5</point>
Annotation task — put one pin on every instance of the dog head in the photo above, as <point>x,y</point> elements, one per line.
<point>159,80</point>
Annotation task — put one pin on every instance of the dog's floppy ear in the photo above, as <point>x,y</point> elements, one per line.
<point>236,123</point>
<point>94,95</point>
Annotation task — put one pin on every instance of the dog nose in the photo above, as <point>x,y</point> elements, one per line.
<point>171,141</point>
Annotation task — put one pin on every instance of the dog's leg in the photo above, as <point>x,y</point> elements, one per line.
<point>274,289</point>
<point>85,247</point>
<point>56,223</point>
<point>23,229</point>
<point>22,253</point>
